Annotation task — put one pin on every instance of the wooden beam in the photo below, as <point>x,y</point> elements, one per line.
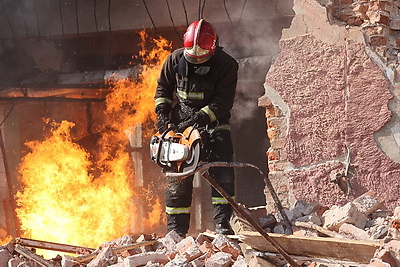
<point>320,247</point>
<point>66,93</point>
<point>79,85</point>
<point>50,245</point>
<point>30,255</point>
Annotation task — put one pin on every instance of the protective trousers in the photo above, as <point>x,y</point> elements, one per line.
<point>179,194</point>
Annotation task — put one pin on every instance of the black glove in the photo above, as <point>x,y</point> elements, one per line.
<point>163,122</point>
<point>199,119</point>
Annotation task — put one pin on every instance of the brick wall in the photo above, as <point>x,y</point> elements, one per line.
<point>332,103</point>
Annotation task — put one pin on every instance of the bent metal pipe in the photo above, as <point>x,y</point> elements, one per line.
<point>203,168</point>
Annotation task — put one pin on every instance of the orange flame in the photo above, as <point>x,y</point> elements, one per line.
<point>61,200</point>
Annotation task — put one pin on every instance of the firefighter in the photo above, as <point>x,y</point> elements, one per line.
<point>196,87</point>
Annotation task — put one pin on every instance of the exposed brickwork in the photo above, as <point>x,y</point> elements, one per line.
<point>276,131</point>
<point>372,16</point>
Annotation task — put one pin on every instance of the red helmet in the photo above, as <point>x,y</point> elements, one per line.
<point>200,42</point>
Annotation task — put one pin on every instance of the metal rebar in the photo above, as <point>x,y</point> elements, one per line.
<point>250,219</point>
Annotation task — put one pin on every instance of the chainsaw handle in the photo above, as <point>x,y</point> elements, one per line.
<point>169,128</point>
<point>162,138</point>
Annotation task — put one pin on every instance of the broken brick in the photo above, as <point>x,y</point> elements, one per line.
<point>377,17</point>
<point>395,224</point>
<point>185,244</point>
<point>240,262</point>
<point>313,217</point>
<point>174,236</point>
<point>199,262</point>
<point>188,248</point>
<point>201,238</point>
<point>206,247</point>
<point>273,154</point>
<point>385,256</point>
<point>378,40</point>
<point>305,232</point>
<point>220,241</point>
<point>352,232</point>
<point>143,258</point>
<point>67,261</point>
<point>306,208</point>
<point>348,213</point>
<point>177,262</point>
<point>104,258</point>
<point>368,202</point>
<point>170,240</point>
<point>219,259</point>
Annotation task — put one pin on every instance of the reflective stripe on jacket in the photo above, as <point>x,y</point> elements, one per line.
<point>209,87</point>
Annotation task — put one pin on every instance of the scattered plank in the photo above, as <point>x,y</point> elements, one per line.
<point>320,247</point>
<point>50,245</point>
<point>30,255</point>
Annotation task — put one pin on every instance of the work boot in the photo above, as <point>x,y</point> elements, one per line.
<point>222,215</point>
<point>224,228</point>
<point>178,223</point>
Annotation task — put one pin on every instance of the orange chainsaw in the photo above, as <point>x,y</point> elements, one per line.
<point>176,152</point>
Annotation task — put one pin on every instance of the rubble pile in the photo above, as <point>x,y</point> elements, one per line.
<point>207,249</point>
<point>361,219</point>
<point>360,222</point>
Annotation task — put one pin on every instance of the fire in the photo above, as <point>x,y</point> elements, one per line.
<point>134,98</point>
<point>61,200</point>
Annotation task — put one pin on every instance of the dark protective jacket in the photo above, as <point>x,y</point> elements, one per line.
<point>208,87</point>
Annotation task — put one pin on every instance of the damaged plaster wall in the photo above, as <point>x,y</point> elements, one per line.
<point>332,104</point>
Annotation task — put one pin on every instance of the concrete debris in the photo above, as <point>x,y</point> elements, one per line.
<point>105,258</point>
<point>361,219</point>
<point>219,259</point>
<point>207,249</point>
<point>368,203</point>
<point>336,216</point>
<point>357,221</point>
